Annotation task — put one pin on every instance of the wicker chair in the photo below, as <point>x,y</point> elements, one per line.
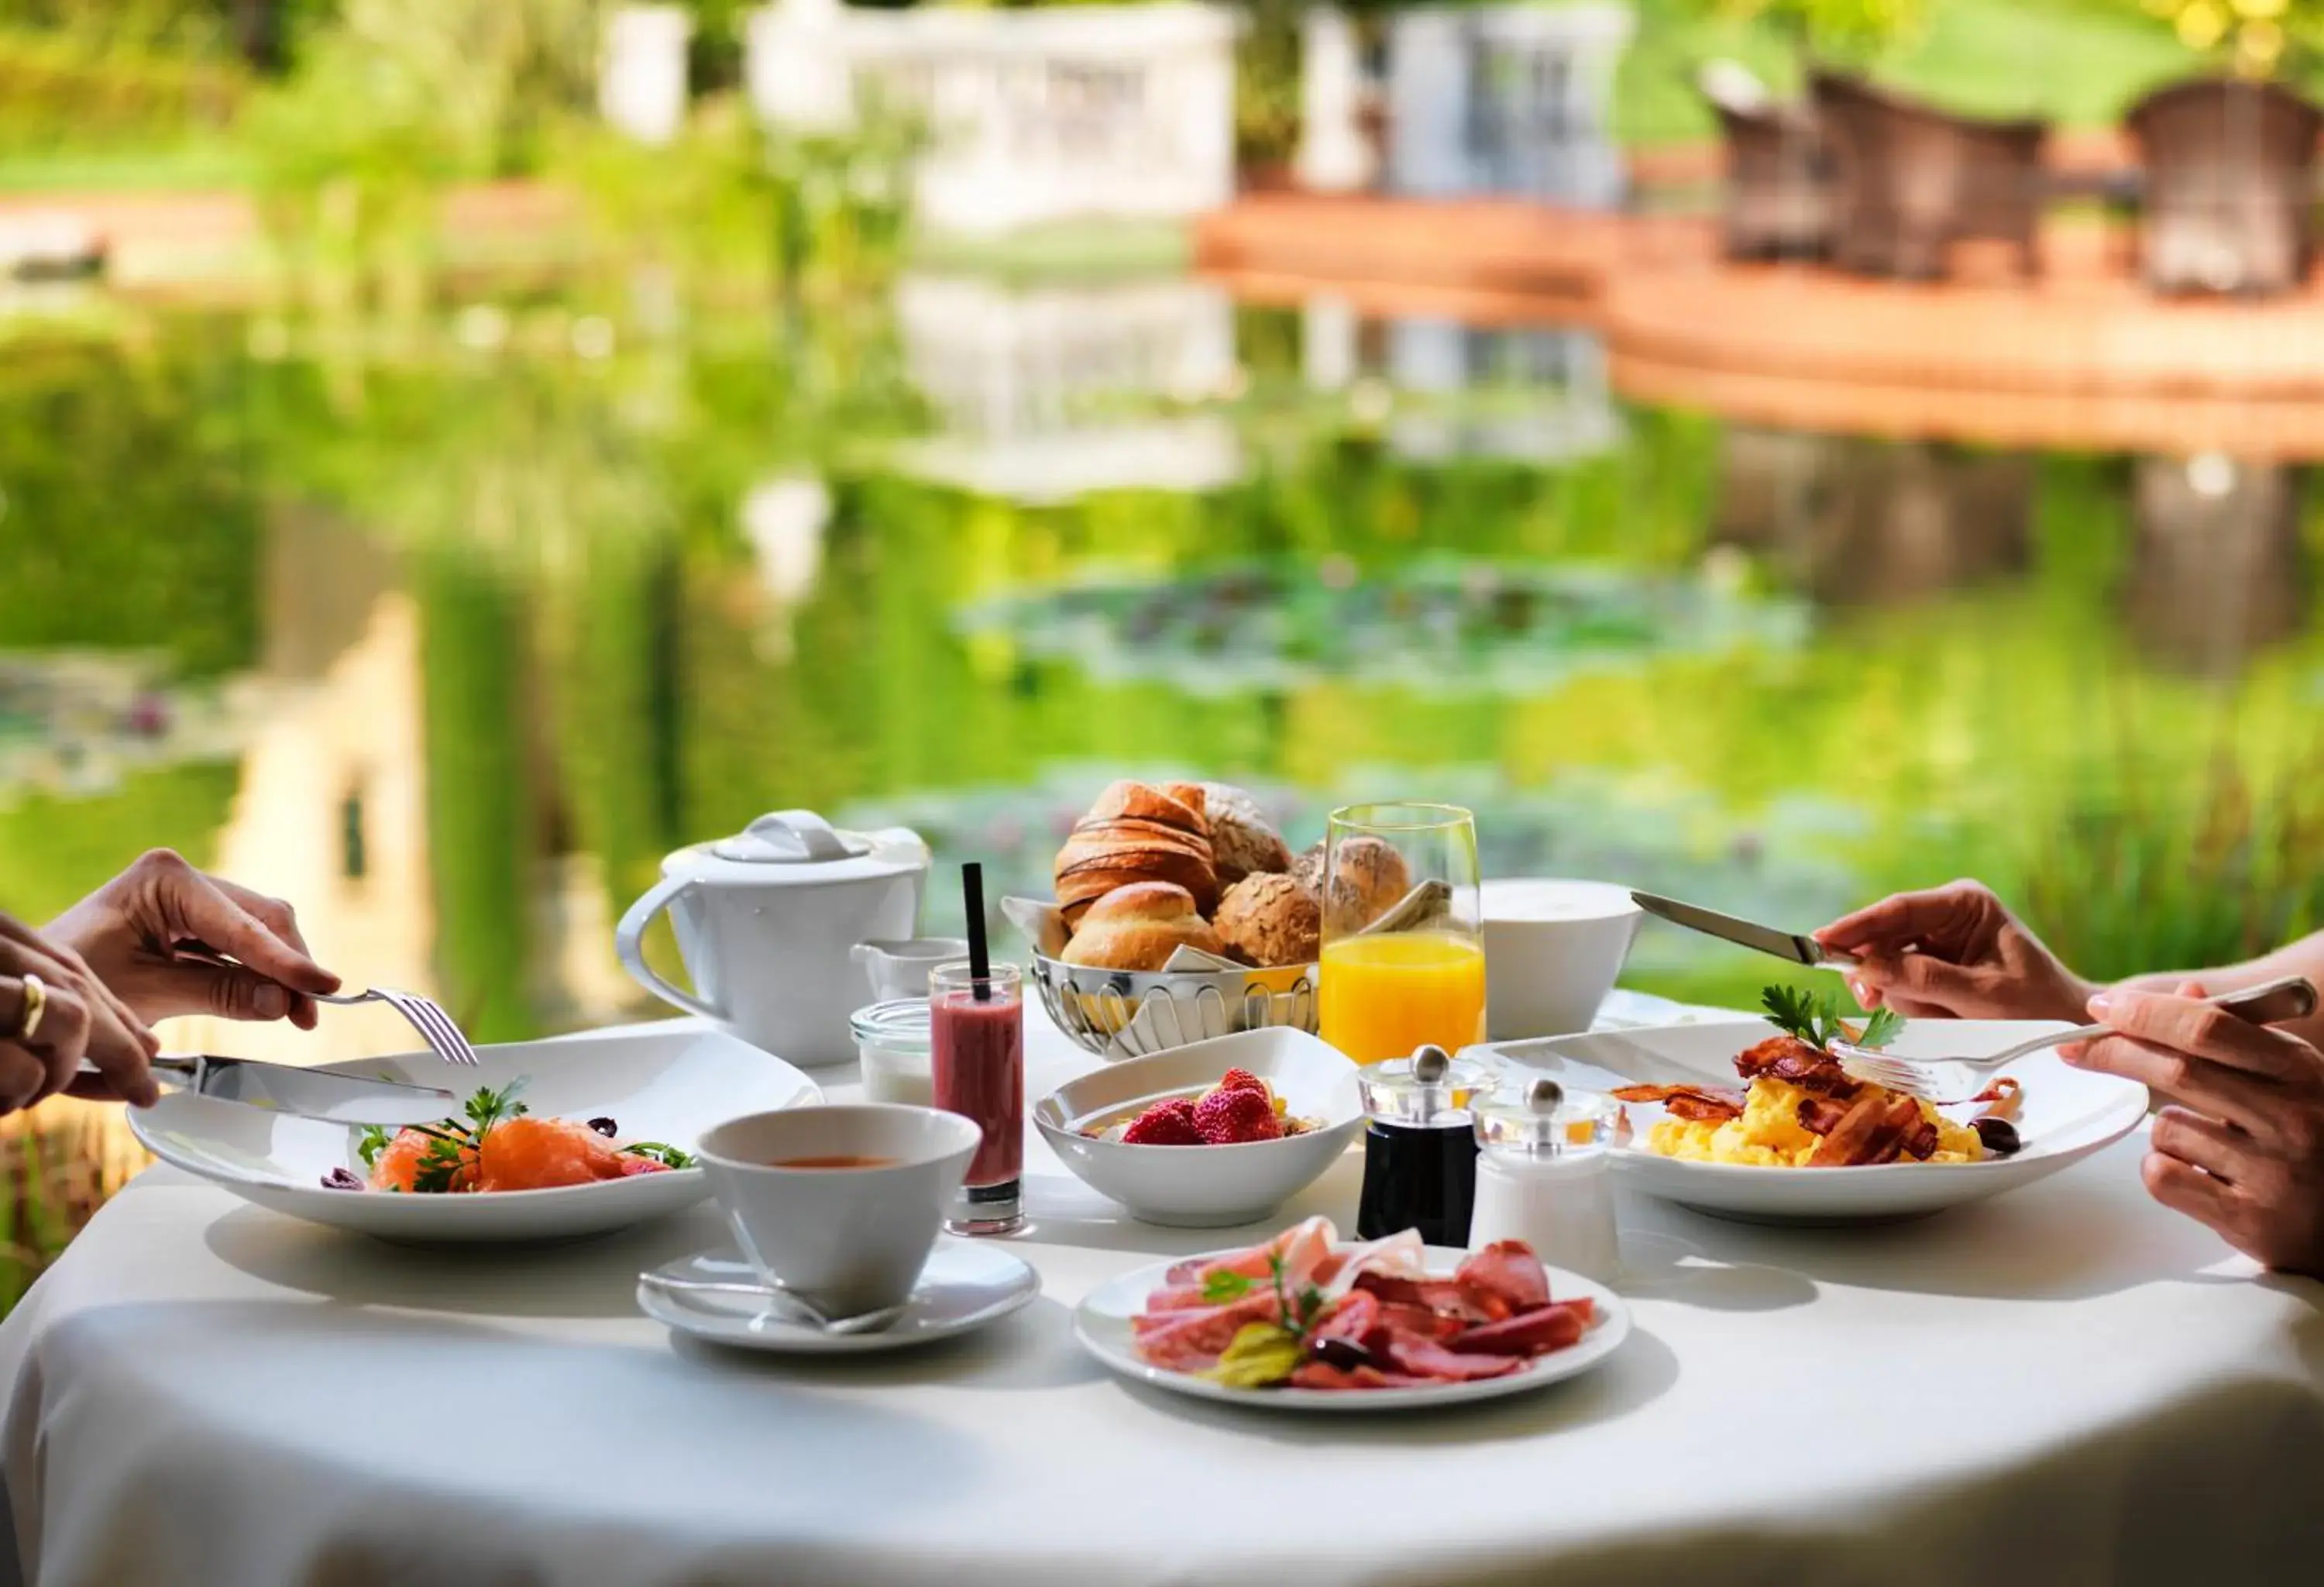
<point>2230,186</point>
<point>1778,202</point>
<point>1911,181</point>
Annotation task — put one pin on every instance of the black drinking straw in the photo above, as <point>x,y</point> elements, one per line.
<point>980,955</point>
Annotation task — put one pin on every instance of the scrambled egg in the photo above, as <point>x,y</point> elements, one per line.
<point>1770,1135</point>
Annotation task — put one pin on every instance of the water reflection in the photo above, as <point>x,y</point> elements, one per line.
<point>1868,522</point>
<point>495,626</point>
<point>2219,571</point>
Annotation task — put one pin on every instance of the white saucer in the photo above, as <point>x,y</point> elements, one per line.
<point>966,1284</point>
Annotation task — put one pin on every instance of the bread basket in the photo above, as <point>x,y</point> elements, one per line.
<point>1128,1013</point>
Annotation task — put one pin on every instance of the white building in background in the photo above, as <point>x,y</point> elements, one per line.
<point>1049,390</point>
<point>1504,98</point>
<point>1039,115</point>
<point>1527,394</point>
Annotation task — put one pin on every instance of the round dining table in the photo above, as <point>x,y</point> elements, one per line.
<point>2067,1384</point>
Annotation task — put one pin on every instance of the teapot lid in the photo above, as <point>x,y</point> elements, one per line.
<point>799,846</point>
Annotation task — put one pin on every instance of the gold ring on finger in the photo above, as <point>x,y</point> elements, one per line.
<point>36,1003</point>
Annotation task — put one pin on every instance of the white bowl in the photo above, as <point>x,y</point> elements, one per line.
<point>1209,1186</point>
<point>656,1083</point>
<point>2066,1114</point>
<point>1553,949</point>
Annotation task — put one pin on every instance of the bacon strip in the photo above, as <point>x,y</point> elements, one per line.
<point>1794,1062</point>
<point>1876,1128</point>
<point>1708,1104</point>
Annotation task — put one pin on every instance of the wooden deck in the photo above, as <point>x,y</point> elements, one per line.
<point>2083,357</point>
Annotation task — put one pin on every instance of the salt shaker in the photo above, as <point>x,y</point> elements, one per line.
<point>1544,1177</point>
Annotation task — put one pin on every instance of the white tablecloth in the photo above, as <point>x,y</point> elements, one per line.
<point>2066,1385</point>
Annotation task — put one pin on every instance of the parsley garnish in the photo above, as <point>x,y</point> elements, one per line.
<point>374,1140</point>
<point>1815,1018</point>
<point>1223,1286</point>
<point>667,1156</point>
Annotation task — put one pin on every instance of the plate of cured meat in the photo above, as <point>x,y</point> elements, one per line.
<point>1308,1322</point>
<point>1761,1119</point>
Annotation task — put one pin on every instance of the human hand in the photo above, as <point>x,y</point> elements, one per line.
<point>2241,1144</point>
<point>54,1012</point>
<point>1953,952</point>
<point>128,931</point>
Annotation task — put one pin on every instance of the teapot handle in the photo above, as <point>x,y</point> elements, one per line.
<point>628,944</point>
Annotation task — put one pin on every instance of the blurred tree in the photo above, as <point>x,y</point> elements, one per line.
<point>2258,38</point>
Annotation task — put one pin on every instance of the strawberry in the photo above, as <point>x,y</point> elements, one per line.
<point>1242,1080</point>
<point>1228,1118</point>
<point>1165,1123</point>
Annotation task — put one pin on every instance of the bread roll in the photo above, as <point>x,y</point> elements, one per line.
<point>1137,834</point>
<point>1243,843</point>
<point>1372,880</point>
<point>1271,921</point>
<point>1139,927</point>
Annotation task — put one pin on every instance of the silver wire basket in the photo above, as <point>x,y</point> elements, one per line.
<point>1127,1013</point>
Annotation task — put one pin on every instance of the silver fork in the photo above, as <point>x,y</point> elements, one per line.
<point>437,1028</point>
<point>2293,997</point>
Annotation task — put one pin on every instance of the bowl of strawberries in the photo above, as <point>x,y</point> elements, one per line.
<point>1206,1136</point>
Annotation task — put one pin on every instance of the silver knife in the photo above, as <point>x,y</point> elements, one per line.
<point>1782,944</point>
<point>310,1093</point>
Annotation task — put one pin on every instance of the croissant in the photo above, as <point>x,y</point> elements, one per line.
<point>1138,833</point>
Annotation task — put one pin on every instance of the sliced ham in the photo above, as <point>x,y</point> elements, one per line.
<point>1545,1328</point>
<point>1355,1316</point>
<point>1402,1317</point>
<point>1436,1295</point>
<point>1504,1279</point>
<point>1194,1341</point>
<point>1424,1358</point>
<point>1303,1247</point>
<point>1324,1375</point>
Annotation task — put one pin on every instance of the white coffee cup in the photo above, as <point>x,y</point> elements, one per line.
<point>844,1240</point>
<point>1553,949</point>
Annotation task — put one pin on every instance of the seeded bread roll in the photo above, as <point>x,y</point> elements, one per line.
<point>1373,878</point>
<point>1139,927</point>
<point>1271,921</point>
<point>1243,843</point>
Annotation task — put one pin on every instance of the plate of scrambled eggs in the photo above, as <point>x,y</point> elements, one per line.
<point>1743,1141</point>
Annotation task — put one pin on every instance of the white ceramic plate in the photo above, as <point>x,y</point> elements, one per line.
<point>967,1285</point>
<point>1209,1186</point>
<point>2066,1114</point>
<point>1101,1322</point>
<point>657,1085</point>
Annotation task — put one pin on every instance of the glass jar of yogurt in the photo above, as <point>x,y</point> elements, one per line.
<point>892,1039</point>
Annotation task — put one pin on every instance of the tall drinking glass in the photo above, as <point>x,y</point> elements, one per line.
<point>1404,956</point>
<point>976,1060</point>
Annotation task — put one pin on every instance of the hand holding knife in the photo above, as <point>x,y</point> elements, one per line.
<point>1792,946</point>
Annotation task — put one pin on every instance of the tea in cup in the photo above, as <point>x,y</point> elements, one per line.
<point>839,1205</point>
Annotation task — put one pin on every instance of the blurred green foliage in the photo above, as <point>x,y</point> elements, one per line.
<point>126,519</point>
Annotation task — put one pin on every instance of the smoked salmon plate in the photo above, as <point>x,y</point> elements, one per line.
<point>1306,1320</point>
<point>500,1144</point>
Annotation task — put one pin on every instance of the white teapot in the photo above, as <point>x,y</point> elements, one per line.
<point>767,921</point>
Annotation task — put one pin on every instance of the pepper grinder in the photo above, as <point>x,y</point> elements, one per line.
<point>1544,1177</point>
<point>1420,1147</point>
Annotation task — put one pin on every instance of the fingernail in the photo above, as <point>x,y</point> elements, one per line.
<point>271,1001</point>
<point>2101,1006</point>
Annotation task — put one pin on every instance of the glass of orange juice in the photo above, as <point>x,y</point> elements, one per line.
<point>1403,956</point>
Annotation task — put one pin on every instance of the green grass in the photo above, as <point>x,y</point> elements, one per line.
<point>192,166</point>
